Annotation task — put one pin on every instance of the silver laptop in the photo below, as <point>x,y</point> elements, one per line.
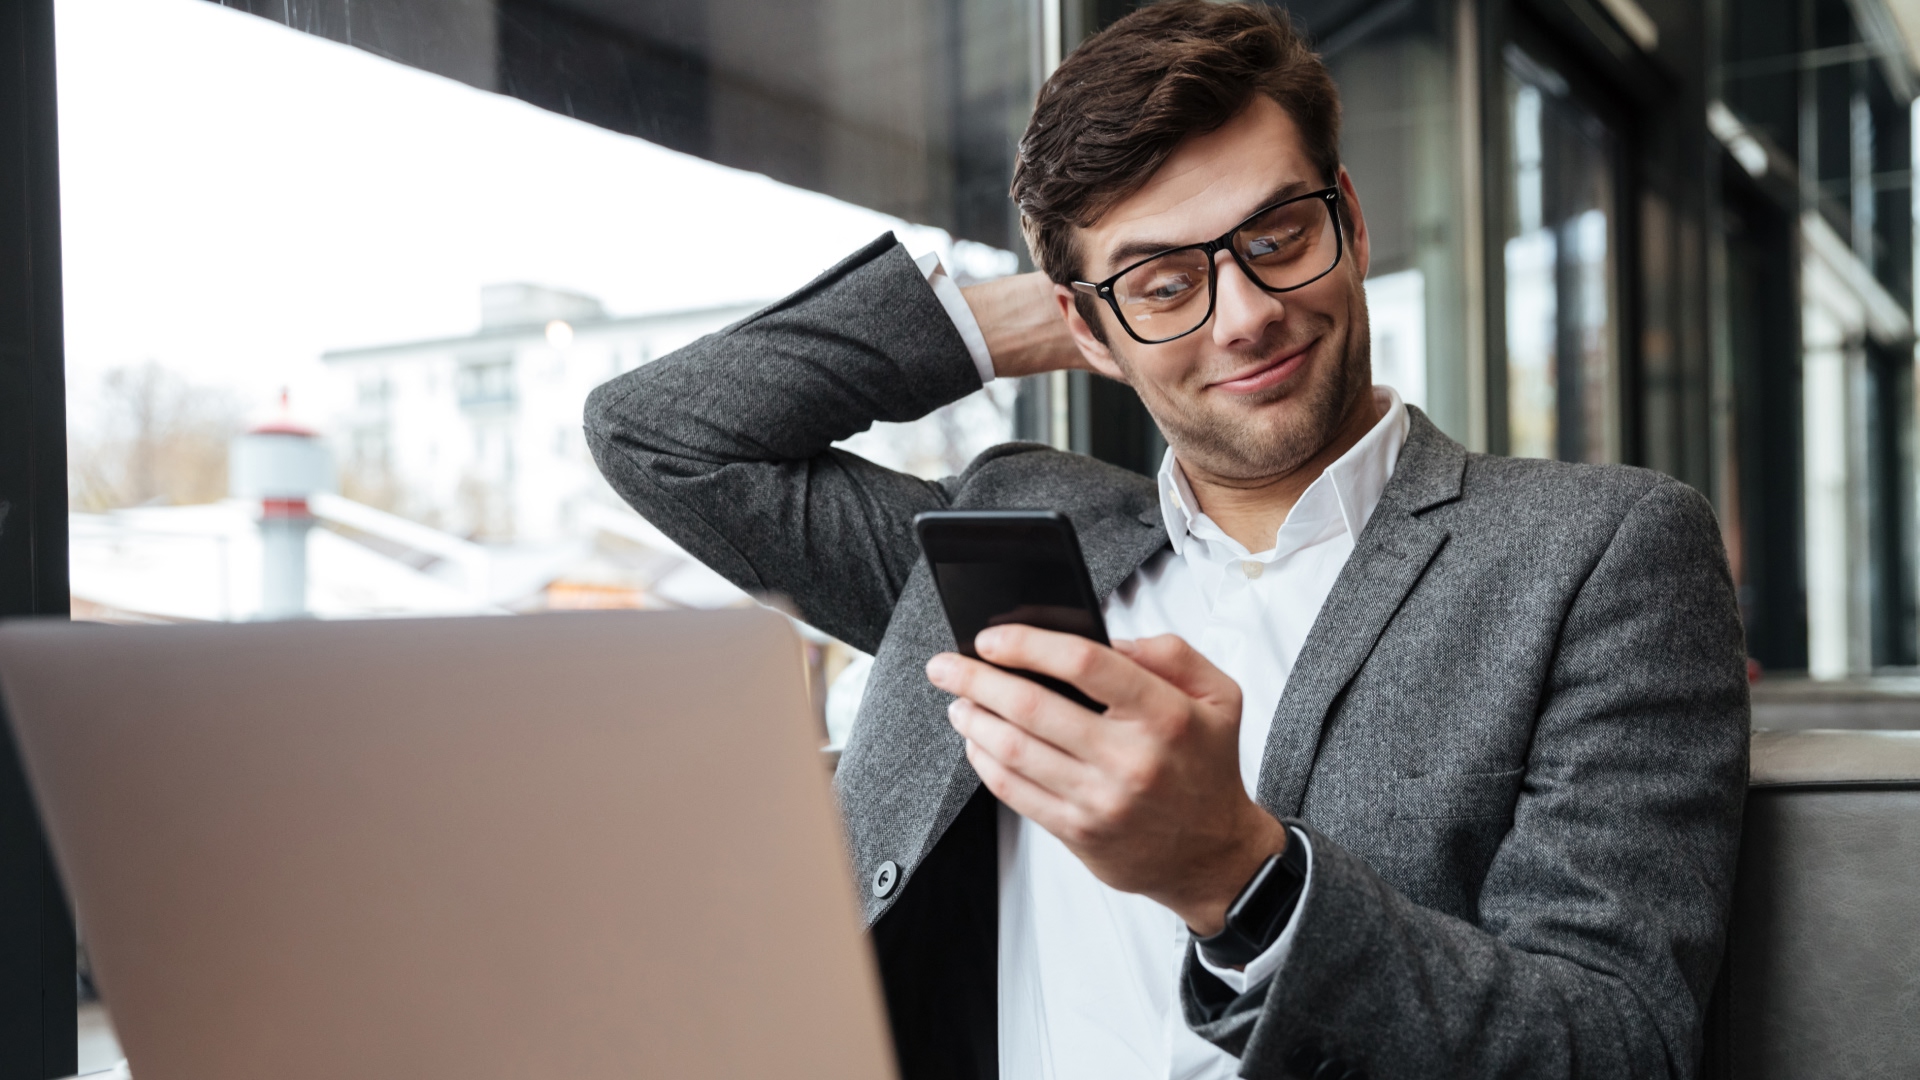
<point>564,846</point>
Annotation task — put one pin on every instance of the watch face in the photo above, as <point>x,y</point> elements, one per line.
<point>1264,906</point>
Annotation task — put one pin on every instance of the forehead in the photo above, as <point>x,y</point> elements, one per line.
<point>1209,184</point>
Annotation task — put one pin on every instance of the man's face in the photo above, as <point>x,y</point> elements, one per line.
<point>1269,379</point>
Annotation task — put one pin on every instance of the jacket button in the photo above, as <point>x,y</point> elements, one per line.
<point>885,878</point>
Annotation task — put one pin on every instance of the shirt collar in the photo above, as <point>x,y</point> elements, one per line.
<point>1355,481</point>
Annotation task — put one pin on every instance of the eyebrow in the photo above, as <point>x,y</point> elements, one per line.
<point>1126,254</point>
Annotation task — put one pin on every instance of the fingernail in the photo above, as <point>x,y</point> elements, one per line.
<point>955,716</point>
<point>939,667</point>
<point>988,638</point>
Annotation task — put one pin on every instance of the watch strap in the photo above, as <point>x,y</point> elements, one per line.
<point>1262,909</point>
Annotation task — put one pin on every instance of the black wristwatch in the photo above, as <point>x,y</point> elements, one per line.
<point>1260,912</point>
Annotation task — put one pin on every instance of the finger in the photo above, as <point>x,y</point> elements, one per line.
<point>1033,758</point>
<point>1171,658</point>
<point>1101,673</point>
<point>1021,795</point>
<point>1015,698</point>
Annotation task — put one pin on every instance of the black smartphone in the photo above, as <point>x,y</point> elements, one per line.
<point>1012,566</point>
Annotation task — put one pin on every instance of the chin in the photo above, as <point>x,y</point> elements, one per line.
<point>1245,447</point>
<point>1264,435</point>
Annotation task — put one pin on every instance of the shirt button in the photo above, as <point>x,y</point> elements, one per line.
<point>1252,569</point>
<point>884,879</point>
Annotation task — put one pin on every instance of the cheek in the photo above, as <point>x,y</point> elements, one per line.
<point>1329,318</point>
<point>1161,370</point>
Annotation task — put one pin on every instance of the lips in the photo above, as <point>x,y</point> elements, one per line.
<point>1266,374</point>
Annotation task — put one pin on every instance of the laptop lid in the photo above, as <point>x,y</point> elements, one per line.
<point>574,846</point>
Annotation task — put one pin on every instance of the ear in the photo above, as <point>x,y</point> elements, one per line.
<point>1092,349</point>
<point>1362,252</point>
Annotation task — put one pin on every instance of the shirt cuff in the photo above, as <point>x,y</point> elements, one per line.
<point>1268,964</point>
<point>948,293</point>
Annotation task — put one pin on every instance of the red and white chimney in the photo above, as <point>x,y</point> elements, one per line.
<point>281,464</point>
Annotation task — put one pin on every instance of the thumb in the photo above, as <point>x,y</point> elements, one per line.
<point>1170,657</point>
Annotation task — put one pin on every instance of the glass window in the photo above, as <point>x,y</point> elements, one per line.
<point>283,239</point>
<point>1562,311</point>
<point>331,319</point>
<point>1398,75</point>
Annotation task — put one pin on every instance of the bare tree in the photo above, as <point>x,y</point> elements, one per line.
<point>147,435</point>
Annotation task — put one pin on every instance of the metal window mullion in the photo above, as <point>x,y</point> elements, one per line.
<point>37,1019</point>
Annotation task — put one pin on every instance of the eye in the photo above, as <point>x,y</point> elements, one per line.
<point>1273,242</point>
<point>1167,287</point>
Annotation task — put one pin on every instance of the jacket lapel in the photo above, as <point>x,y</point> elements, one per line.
<point>1388,559</point>
<point>1116,546</point>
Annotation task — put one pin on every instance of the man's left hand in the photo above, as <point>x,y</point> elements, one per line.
<point>1148,795</point>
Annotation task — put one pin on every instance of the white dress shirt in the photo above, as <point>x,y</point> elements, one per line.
<point>1088,975</point>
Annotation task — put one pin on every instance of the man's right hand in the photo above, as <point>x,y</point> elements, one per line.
<point>1020,319</point>
<point>1148,794</point>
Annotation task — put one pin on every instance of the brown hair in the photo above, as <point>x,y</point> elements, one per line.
<point>1114,110</point>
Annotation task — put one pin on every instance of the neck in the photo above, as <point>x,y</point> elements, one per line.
<point>1252,510</point>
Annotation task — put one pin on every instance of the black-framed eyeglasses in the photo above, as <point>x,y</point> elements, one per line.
<point>1286,246</point>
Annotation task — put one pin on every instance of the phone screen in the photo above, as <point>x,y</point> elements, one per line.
<point>998,567</point>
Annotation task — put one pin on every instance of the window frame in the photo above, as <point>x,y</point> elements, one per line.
<point>38,1024</point>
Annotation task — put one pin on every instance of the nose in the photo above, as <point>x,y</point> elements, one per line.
<point>1242,310</point>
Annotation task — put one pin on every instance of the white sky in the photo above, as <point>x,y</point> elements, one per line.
<point>238,197</point>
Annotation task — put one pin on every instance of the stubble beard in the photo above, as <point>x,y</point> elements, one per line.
<point>1263,443</point>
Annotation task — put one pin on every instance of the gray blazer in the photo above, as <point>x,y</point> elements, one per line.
<point>1517,732</point>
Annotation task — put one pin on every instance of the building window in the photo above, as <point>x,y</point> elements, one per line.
<point>1562,313</point>
<point>375,390</point>
<point>483,383</point>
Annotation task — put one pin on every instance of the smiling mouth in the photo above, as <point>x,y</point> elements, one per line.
<point>1267,374</point>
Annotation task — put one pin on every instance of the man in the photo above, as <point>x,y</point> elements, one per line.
<point>1438,758</point>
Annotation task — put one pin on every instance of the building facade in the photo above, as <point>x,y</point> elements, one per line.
<point>479,436</point>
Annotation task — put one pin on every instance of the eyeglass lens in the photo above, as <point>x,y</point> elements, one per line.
<point>1285,247</point>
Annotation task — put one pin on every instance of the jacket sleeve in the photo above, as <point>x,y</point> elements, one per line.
<point>726,445</point>
<point>1600,922</point>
